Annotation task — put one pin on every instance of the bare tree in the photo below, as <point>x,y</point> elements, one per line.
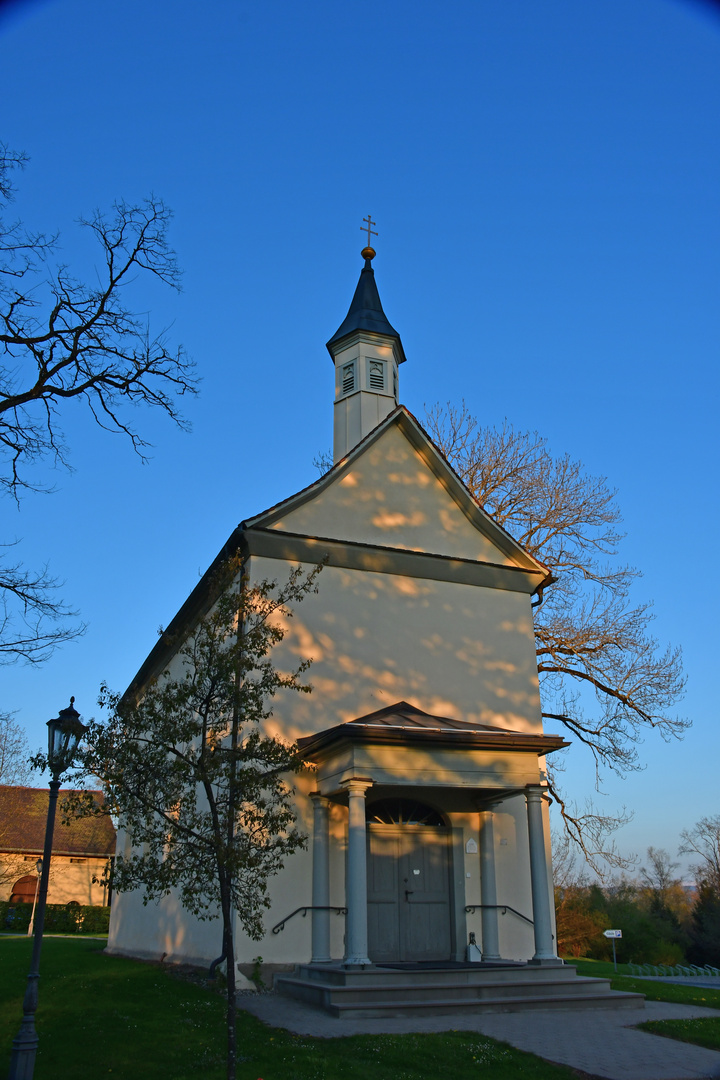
<point>14,752</point>
<point>660,874</point>
<point>602,674</point>
<point>703,842</point>
<point>33,621</point>
<point>661,888</point>
<point>14,771</point>
<point>62,339</point>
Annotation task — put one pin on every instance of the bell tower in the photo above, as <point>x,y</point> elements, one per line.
<point>367,352</point>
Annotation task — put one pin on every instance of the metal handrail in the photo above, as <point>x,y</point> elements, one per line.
<point>472,908</point>
<point>304,910</point>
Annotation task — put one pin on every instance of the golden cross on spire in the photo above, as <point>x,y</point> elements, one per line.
<point>367,228</point>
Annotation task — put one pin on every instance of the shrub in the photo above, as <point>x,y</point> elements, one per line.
<point>651,932</point>
<point>59,918</point>
<point>15,917</point>
<point>705,928</point>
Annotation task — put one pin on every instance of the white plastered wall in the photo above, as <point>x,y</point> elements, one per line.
<point>389,496</point>
<point>453,650</point>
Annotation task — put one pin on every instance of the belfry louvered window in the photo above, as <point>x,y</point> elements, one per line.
<point>348,378</point>
<point>376,375</point>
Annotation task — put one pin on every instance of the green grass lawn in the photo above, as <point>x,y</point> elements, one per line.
<point>703,1031</point>
<point>679,993</point>
<point>107,1016</point>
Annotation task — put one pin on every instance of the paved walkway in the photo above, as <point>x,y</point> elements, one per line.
<point>600,1042</point>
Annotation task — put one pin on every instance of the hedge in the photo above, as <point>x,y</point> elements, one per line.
<point>59,918</point>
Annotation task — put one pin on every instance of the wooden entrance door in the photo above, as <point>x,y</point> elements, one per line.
<point>408,893</point>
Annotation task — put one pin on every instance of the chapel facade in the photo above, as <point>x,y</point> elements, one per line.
<point>427,810</point>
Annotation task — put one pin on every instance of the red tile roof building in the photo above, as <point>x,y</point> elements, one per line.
<point>81,849</point>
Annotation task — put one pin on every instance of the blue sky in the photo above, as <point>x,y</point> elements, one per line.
<point>545,180</point>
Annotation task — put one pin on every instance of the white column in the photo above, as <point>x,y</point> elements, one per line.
<point>356,934</point>
<point>542,917</point>
<point>488,888</point>
<point>320,879</point>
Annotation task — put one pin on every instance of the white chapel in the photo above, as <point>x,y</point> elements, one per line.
<point>427,811</point>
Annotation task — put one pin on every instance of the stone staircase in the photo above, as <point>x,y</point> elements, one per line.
<point>381,992</point>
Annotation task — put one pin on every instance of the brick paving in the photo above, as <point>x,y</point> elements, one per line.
<point>600,1042</point>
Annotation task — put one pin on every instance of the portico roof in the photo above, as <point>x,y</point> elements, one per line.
<point>405,724</point>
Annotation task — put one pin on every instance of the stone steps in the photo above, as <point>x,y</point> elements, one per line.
<point>471,975</point>
<point>488,1005</point>
<point>362,994</point>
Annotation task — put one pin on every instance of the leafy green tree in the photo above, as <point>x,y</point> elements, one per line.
<point>702,841</point>
<point>652,933</point>
<point>705,928</point>
<point>188,770</point>
<point>579,926</point>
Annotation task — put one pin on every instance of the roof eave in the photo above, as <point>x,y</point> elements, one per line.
<point>370,734</point>
<point>336,344</point>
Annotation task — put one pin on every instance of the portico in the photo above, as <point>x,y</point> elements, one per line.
<point>419,789</point>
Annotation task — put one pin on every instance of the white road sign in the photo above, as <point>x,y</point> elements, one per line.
<point>612,933</point>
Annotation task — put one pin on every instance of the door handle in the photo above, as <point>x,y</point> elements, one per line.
<point>408,893</point>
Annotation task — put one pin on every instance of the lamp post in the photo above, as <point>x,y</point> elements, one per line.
<point>38,867</point>
<point>64,733</point>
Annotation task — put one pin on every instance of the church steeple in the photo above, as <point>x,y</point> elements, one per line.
<point>366,351</point>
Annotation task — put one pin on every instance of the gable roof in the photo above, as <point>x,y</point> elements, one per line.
<point>438,465</point>
<point>402,723</point>
<point>255,535</point>
<point>23,816</point>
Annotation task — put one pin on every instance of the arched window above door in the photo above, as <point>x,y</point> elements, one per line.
<point>402,812</point>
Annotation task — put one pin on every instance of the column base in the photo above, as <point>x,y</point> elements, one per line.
<point>546,961</point>
<point>357,962</point>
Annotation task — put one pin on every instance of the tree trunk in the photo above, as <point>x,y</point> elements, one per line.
<point>229,950</point>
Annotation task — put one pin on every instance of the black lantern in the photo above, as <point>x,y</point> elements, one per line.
<point>64,733</point>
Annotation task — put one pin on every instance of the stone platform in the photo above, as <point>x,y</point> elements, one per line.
<point>438,990</point>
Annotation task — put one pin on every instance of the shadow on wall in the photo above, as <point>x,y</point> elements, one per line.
<point>160,930</point>
<point>374,639</point>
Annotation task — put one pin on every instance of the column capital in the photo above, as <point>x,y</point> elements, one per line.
<point>318,798</point>
<point>536,792</point>
<point>357,785</point>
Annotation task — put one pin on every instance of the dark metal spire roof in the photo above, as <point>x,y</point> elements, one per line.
<point>366,312</point>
